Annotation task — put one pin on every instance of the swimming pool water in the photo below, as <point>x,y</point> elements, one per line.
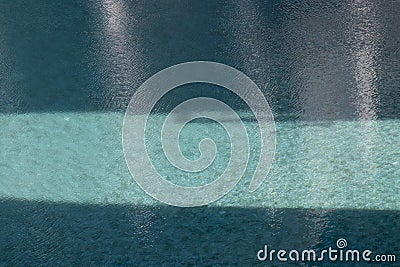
<point>77,157</point>
<point>330,73</point>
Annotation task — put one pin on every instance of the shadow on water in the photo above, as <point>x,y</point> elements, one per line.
<point>42,233</point>
<point>312,61</point>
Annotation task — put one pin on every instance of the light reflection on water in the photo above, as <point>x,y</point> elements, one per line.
<point>331,73</point>
<point>313,61</point>
<point>366,31</point>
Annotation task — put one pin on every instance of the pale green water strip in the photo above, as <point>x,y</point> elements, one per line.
<point>77,157</point>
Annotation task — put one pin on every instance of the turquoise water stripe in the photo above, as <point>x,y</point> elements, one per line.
<point>77,157</point>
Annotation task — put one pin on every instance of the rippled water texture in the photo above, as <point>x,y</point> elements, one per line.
<point>330,72</point>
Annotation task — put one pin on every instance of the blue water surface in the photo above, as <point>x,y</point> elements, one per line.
<point>68,69</point>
